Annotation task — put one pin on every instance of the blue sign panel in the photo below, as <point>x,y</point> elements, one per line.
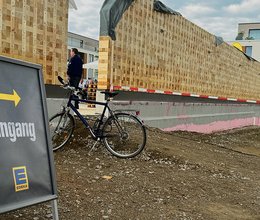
<point>26,159</point>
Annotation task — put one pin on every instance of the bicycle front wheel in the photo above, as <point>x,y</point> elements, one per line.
<point>124,135</point>
<point>61,128</point>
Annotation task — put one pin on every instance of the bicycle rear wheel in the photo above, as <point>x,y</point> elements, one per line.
<point>61,129</point>
<point>124,135</point>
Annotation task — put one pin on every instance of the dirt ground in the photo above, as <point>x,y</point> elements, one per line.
<point>180,175</point>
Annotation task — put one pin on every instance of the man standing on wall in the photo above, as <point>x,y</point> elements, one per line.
<point>75,68</point>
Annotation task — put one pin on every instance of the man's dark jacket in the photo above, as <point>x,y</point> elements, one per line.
<point>75,67</point>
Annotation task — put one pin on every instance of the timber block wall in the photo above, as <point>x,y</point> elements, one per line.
<point>36,31</point>
<point>158,51</point>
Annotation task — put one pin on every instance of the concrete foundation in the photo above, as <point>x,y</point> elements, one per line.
<point>171,113</point>
<point>197,117</point>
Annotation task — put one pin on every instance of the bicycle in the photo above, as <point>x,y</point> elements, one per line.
<point>123,134</point>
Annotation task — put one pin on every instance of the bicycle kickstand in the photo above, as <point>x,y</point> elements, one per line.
<point>94,145</point>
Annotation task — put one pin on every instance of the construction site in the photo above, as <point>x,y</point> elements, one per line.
<point>198,96</point>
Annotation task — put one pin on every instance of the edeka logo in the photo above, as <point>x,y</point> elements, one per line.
<point>20,178</point>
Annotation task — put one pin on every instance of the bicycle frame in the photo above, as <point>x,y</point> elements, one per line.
<point>94,134</point>
<point>116,132</point>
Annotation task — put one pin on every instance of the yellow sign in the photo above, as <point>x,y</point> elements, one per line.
<point>11,97</point>
<point>237,45</point>
<point>20,178</point>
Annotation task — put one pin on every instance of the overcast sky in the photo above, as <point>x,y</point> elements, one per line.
<point>219,17</point>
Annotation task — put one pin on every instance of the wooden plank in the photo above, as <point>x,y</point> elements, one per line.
<point>35,15</point>
<point>24,28</point>
<point>12,28</point>
<point>104,63</point>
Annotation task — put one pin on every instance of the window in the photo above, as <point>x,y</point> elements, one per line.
<point>91,58</point>
<point>90,73</point>
<point>96,75</point>
<point>81,43</point>
<point>248,50</point>
<point>254,34</point>
<point>73,42</point>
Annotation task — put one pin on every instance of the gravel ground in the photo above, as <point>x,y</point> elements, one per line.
<point>180,175</point>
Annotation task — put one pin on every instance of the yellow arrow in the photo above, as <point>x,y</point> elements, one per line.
<point>14,98</point>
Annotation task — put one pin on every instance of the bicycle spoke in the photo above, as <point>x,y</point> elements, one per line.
<point>124,135</point>
<point>61,129</point>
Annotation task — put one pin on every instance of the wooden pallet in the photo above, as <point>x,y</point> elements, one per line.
<point>92,92</point>
<point>36,31</point>
<point>91,106</point>
<point>169,53</point>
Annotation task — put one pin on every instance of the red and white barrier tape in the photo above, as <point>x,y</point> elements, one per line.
<point>134,89</point>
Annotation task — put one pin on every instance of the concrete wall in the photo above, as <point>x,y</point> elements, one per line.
<point>196,117</point>
<point>171,113</point>
<point>54,105</point>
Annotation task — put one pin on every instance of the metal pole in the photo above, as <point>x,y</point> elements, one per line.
<point>55,213</point>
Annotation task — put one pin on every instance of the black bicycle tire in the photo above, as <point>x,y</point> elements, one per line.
<point>71,118</point>
<point>110,149</point>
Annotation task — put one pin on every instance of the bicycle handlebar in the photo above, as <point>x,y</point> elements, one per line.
<point>61,80</point>
<point>65,85</point>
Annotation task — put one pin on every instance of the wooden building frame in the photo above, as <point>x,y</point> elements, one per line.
<point>36,31</point>
<point>165,52</point>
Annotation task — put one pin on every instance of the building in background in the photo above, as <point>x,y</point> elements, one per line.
<point>88,51</point>
<point>249,38</point>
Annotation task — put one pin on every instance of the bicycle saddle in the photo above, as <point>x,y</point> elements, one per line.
<point>110,94</point>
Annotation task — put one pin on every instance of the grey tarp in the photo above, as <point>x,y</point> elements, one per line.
<point>218,40</point>
<point>110,14</point>
<point>160,7</point>
<point>112,11</point>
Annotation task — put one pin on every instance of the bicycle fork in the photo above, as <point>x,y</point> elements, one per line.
<point>65,116</point>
